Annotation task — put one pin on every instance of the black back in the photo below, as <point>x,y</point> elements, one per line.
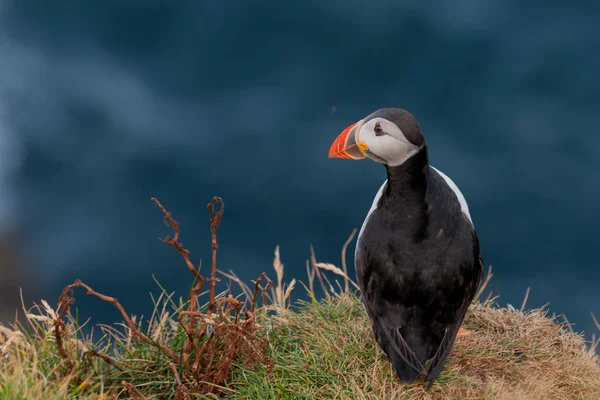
<point>418,265</point>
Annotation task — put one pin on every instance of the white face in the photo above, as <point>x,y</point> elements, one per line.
<point>385,141</point>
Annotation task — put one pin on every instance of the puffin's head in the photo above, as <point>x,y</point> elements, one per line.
<point>388,136</point>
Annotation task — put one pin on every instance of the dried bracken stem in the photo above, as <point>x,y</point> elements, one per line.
<point>174,241</point>
<point>107,359</point>
<point>60,328</point>
<point>222,336</point>
<point>264,294</point>
<point>190,332</point>
<point>65,299</point>
<point>181,391</point>
<point>256,289</point>
<point>231,305</point>
<point>136,394</point>
<point>345,269</point>
<point>215,219</point>
<point>192,327</point>
<point>231,338</point>
<point>216,340</point>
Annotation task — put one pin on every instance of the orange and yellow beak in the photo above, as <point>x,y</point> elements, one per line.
<point>347,146</point>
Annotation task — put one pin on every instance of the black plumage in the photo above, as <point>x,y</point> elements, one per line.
<point>418,262</point>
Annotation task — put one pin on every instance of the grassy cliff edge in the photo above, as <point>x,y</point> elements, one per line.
<point>263,347</point>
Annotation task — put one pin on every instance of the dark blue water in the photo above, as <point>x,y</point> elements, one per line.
<point>105,104</point>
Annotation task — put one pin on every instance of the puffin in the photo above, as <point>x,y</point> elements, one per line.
<point>417,258</point>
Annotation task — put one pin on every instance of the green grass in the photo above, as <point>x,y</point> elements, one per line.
<point>266,348</point>
<point>318,350</point>
<point>326,350</point>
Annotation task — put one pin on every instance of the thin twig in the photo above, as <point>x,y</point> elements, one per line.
<point>181,391</point>
<point>215,219</point>
<point>177,377</point>
<point>134,330</point>
<point>256,287</point>
<point>265,295</point>
<point>203,349</point>
<point>136,394</point>
<point>174,242</point>
<point>107,359</point>
<point>190,333</point>
<point>64,302</point>
<point>346,283</point>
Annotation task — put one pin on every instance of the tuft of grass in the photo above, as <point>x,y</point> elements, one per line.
<point>279,349</point>
<point>326,350</point>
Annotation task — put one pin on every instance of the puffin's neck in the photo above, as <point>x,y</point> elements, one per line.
<point>407,184</point>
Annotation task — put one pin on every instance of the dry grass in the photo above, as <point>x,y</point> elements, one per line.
<point>325,350</point>
<point>183,351</point>
<point>321,349</point>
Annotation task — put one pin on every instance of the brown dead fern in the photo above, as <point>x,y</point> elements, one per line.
<point>216,341</point>
<point>223,337</point>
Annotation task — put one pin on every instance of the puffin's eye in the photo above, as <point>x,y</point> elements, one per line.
<point>378,129</point>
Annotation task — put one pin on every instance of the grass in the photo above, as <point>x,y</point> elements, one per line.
<point>326,351</point>
<point>264,347</point>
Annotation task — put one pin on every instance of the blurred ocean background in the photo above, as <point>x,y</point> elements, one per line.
<point>104,104</point>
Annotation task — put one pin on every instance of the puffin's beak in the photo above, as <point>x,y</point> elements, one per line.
<point>345,146</point>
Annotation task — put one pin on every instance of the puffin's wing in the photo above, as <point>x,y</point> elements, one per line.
<point>402,348</point>
<point>443,351</point>
<point>388,316</point>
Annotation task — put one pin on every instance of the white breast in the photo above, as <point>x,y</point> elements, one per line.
<point>461,199</point>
